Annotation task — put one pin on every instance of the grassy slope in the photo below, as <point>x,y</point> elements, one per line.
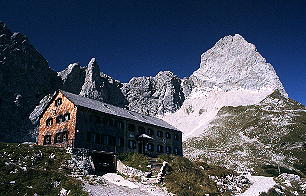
<point>261,137</point>
<point>28,170</point>
<point>184,177</point>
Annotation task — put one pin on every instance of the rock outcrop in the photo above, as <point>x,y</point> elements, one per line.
<point>90,82</point>
<point>155,95</point>
<point>25,78</point>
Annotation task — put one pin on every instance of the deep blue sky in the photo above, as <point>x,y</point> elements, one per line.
<point>140,38</point>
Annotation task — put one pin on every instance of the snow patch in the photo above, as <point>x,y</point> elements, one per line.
<point>259,184</point>
<point>119,180</point>
<point>203,105</point>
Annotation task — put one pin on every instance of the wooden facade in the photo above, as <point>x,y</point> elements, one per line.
<point>58,122</point>
<point>83,126</point>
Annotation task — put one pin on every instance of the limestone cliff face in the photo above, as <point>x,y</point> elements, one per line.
<point>155,95</point>
<point>233,63</point>
<point>90,82</point>
<point>25,78</point>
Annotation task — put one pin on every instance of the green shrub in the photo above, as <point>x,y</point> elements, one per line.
<point>187,178</point>
<point>135,160</point>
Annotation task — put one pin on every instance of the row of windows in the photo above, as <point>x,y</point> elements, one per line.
<point>104,139</point>
<point>60,137</point>
<point>59,119</point>
<point>142,130</point>
<point>107,121</point>
<point>150,147</point>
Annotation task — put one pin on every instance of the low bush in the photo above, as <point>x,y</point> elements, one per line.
<point>185,177</point>
<point>135,160</point>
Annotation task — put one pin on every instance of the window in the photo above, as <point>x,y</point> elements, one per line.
<point>65,136</point>
<point>67,116</point>
<point>112,140</point>
<point>91,137</point>
<point>47,139</point>
<point>49,121</point>
<point>176,137</point>
<point>168,135</point>
<point>150,147</point>
<point>160,148</point>
<point>98,119</point>
<point>141,130</point>
<point>104,121</point>
<point>97,139</point>
<point>176,151</point>
<point>131,127</point>
<point>160,134</point>
<point>60,119</point>
<point>111,122</point>
<point>168,149</point>
<point>92,118</point>
<point>150,132</point>
<point>58,102</point>
<point>105,139</point>
<point>88,136</point>
<point>132,144</point>
<point>58,138</point>
<point>119,142</point>
<point>120,124</point>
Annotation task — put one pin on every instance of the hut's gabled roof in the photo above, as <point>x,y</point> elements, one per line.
<point>114,110</point>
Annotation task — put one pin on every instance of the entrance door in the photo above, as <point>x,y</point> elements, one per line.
<point>104,162</point>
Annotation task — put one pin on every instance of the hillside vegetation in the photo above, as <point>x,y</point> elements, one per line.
<point>267,138</point>
<point>183,176</point>
<point>30,170</point>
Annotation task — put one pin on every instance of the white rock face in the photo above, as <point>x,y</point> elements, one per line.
<point>231,73</point>
<point>233,63</point>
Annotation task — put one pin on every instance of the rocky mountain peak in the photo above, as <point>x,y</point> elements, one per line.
<point>4,29</point>
<point>233,63</point>
<point>25,78</point>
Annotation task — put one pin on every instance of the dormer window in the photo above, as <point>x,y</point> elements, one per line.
<point>49,121</point>
<point>58,102</point>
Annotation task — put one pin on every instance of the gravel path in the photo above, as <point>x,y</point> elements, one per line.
<point>115,185</point>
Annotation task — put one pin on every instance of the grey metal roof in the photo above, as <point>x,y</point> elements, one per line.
<point>116,111</point>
